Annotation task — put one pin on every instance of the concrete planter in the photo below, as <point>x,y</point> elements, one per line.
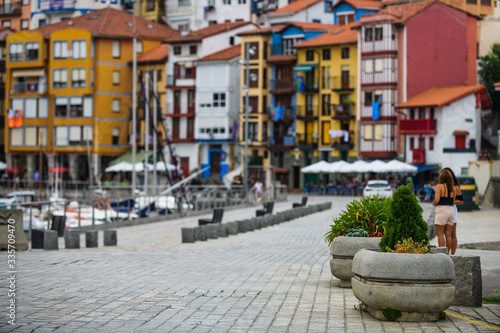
<point>417,285</point>
<point>343,250</point>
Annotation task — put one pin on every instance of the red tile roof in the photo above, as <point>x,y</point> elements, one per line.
<point>199,35</point>
<point>342,35</point>
<point>365,4</point>
<point>441,96</point>
<point>311,26</point>
<point>295,7</point>
<point>457,132</point>
<point>263,31</point>
<point>226,54</point>
<point>159,54</point>
<point>109,22</point>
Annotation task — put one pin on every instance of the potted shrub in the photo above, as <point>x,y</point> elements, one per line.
<point>359,226</point>
<point>404,282</point>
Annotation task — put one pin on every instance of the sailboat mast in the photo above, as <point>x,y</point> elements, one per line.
<point>134,108</point>
<point>155,140</point>
<point>146,133</point>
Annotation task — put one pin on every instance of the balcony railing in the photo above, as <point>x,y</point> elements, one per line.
<point>343,83</point>
<point>288,112</point>
<point>30,87</point>
<point>278,49</point>
<point>287,85</point>
<point>307,111</point>
<point>306,139</point>
<point>345,110</point>
<point>417,126</point>
<point>284,140</point>
<point>418,155</point>
<point>11,9</point>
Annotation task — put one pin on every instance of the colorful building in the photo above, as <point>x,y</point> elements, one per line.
<point>326,127</point>
<point>307,11</point>
<point>72,82</point>
<point>15,14</point>
<point>348,11</point>
<point>404,50</point>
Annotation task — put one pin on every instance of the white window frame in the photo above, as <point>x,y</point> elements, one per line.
<point>379,65</point>
<point>219,100</point>
<point>60,75</point>
<point>116,78</point>
<point>116,105</point>
<point>78,77</point>
<point>32,46</point>
<point>369,66</point>
<point>79,49</point>
<point>60,49</point>
<point>116,49</point>
<point>16,48</point>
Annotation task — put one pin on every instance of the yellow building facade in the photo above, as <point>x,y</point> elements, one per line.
<point>72,82</point>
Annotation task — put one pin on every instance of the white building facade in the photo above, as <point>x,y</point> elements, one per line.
<point>309,11</point>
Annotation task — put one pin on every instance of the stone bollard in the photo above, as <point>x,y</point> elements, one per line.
<point>211,230</point>
<point>242,226</point>
<point>468,281</point>
<point>188,235</point>
<point>232,228</point>
<point>91,238</point>
<point>250,224</point>
<point>200,234</point>
<point>50,240</point>
<point>222,230</point>
<point>110,238</point>
<point>71,239</point>
<point>258,223</point>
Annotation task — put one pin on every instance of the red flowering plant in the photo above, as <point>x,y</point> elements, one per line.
<point>368,214</point>
<point>410,246</point>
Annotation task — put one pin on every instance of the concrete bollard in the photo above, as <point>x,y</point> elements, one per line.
<point>211,231</point>
<point>50,240</point>
<point>188,235</point>
<point>71,239</point>
<point>250,224</point>
<point>200,234</point>
<point>232,228</point>
<point>222,230</point>
<point>91,238</point>
<point>468,281</point>
<point>242,226</point>
<point>110,237</point>
<point>258,223</point>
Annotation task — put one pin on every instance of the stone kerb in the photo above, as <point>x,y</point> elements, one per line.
<point>242,226</point>
<point>188,235</point>
<point>250,224</point>
<point>71,238</point>
<point>343,250</point>
<point>232,228</point>
<point>211,231</point>
<point>258,223</point>
<point>200,233</point>
<point>417,285</point>
<point>50,240</point>
<point>468,281</point>
<point>222,230</point>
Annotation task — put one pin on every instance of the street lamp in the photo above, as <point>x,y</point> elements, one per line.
<point>248,51</point>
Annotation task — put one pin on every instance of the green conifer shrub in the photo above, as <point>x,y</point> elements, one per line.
<point>404,220</point>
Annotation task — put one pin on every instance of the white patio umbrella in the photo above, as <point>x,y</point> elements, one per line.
<point>139,167</point>
<point>398,166</point>
<point>3,166</point>
<point>376,166</point>
<point>338,166</point>
<point>120,167</point>
<point>160,166</point>
<point>358,166</point>
<point>316,167</point>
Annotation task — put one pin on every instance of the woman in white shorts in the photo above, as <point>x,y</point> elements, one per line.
<point>459,199</point>
<point>444,213</point>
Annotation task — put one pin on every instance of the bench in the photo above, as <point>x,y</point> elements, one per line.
<point>268,209</point>
<point>216,218</point>
<point>302,204</point>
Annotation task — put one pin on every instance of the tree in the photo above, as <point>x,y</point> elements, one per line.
<point>489,73</point>
<point>405,220</point>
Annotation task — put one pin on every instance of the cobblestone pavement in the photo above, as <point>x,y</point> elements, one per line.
<point>276,279</point>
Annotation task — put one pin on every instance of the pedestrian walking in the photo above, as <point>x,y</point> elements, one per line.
<point>259,189</point>
<point>444,214</point>
<point>459,199</point>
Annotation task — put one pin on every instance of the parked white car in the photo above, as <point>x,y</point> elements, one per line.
<point>379,186</point>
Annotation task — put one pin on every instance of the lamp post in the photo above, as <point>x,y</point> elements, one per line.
<point>248,51</point>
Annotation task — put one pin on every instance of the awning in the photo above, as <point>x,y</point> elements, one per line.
<point>304,68</point>
<point>28,72</point>
<point>426,167</point>
<point>139,157</point>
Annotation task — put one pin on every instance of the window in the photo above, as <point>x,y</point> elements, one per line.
<point>92,78</point>
<point>310,55</point>
<point>368,132</point>
<point>255,48</point>
<point>328,5</point>
<point>345,53</point>
<point>33,107</point>
<point>158,75</point>
<point>368,34</point>
<point>79,49</point>
<point>226,2</point>
<point>29,136</point>
<point>26,2</point>
<point>192,49</point>
<point>344,19</point>
<point>61,107</point>
<point>377,129</point>
<point>116,49</point>
<point>219,100</point>
<point>78,78</point>
<point>116,105</point>
<point>254,78</point>
<point>92,49</point>
<point>177,50</point>
<point>184,3</point>
<point>24,24</point>
<point>59,78</point>
<point>150,5</point>
<point>288,44</point>
<point>369,66</point>
<point>325,105</point>
<point>378,96</point>
<point>32,51</point>
<point>16,52</point>
<point>379,65</point>
<point>6,23</point>
<point>3,54</point>
<point>412,143</point>
<point>116,78</point>
<point>431,113</point>
<point>242,2</point>
<point>326,54</point>
<point>264,78</point>
<point>73,135</point>
<point>60,49</point>
<point>393,65</point>
<point>183,27</point>
<point>212,22</point>
<point>378,33</point>
<point>231,40</point>
<point>421,142</point>
<point>421,113</point>
<point>431,143</point>
<point>76,107</point>
<point>264,131</point>
<point>42,22</point>
<point>368,98</point>
<point>116,135</point>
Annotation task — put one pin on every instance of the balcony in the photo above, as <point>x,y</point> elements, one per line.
<point>343,111</point>
<point>307,141</point>
<point>307,112</point>
<point>11,9</point>
<point>340,143</point>
<point>282,86</point>
<point>173,80</point>
<point>343,83</point>
<point>174,110</point>
<point>418,156</point>
<point>56,4</point>
<point>417,126</point>
<point>29,87</point>
<point>311,87</point>
<point>282,141</point>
